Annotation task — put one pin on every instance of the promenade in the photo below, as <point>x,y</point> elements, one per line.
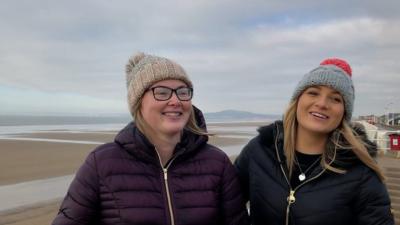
<point>391,167</point>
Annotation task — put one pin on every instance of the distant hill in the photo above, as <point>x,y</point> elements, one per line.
<point>236,115</point>
<point>222,116</point>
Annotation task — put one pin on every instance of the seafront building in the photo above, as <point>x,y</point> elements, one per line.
<point>391,119</point>
<point>384,131</point>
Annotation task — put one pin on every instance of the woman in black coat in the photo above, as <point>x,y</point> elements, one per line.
<point>160,169</point>
<point>313,167</point>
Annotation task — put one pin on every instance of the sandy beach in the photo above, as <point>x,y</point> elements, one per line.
<point>42,155</point>
<point>52,154</point>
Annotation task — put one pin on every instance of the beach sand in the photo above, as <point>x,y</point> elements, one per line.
<point>24,160</point>
<point>30,160</point>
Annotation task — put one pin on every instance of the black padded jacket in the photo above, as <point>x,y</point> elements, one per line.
<point>356,197</point>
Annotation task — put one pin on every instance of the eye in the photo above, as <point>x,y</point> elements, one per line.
<point>161,91</point>
<point>312,92</point>
<point>337,99</point>
<point>183,91</point>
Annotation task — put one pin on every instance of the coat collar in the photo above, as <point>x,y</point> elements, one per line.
<point>272,135</point>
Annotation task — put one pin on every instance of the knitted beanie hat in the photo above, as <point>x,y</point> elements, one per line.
<point>143,70</point>
<point>334,73</point>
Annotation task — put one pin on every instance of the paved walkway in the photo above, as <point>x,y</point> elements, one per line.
<point>391,167</point>
<point>386,161</point>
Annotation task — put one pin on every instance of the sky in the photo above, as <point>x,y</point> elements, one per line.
<point>68,57</point>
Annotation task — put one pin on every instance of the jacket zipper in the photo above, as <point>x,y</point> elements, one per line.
<point>165,172</point>
<point>291,198</point>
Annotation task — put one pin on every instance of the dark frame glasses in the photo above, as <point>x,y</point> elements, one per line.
<point>162,93</point>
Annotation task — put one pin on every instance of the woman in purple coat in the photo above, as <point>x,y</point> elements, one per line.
<point>159,170</point>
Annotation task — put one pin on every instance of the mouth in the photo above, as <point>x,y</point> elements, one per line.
<point>172,114</point>
<point>319,115</point>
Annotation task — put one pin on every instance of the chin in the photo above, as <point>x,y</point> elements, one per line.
<point>318,128</point>
<point>323,130</point>
<point>174,129</point>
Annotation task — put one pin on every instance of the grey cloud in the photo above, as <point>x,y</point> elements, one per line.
<point>255,51</point>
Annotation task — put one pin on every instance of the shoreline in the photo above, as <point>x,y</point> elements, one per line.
<point>51,154</point>
<point>41,156</point>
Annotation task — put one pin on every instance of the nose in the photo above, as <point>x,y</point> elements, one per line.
<point>322,102</point>
<point>174,100</point>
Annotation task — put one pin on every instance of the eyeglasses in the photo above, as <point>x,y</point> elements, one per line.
<point>162,93</point>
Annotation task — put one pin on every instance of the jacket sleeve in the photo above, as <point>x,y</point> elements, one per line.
<point>81,202</point>
<point>233,204</point>
<point>372,204</point>
<point>242,168</point>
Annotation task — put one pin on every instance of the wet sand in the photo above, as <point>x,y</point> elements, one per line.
<point>27,160</point>
<point>40,214</point>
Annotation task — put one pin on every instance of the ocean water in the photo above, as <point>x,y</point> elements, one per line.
<point>113,127</point>
<point>222,129</point>
<point>21,120</point>
<point>73,128</point>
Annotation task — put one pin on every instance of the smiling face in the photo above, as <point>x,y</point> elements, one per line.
<point>167,117</point>
<point>320,110</point>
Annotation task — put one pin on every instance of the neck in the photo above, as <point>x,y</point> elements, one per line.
<point>310,143</point>
<point>164,144</point>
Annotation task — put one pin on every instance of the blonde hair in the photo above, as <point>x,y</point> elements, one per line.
<point>342,138</point>
<point>141,124</point>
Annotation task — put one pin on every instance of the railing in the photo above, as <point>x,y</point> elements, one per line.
<point>383,145</point>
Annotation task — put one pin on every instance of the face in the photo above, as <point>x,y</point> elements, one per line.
<point>320,110</point>
<point>167,117</point>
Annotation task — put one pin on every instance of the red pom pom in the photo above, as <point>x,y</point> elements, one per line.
<point>338,62</point>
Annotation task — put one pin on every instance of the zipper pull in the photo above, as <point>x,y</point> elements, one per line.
<point>165,174</point>
<point>291,199</point>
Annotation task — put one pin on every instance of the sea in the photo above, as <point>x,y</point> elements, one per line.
<point>13,125</point>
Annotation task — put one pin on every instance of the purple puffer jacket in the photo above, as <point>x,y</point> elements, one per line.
<point>123,183</point>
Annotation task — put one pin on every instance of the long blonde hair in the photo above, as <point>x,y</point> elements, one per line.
<point>342,138</point>
<point>191,124</point>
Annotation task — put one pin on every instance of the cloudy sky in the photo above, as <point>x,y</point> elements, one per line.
<point>68,57</point>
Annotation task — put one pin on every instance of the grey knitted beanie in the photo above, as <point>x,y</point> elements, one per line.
<point>334,73</point>
<point>143,70</point>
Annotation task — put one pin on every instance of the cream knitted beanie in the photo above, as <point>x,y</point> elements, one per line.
<point>143,70</point>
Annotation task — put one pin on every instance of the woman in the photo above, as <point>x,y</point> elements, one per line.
<point>312,168</point>
<point>159,169</point>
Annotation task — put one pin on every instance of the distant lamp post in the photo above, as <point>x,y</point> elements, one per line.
<point>387,107</point>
